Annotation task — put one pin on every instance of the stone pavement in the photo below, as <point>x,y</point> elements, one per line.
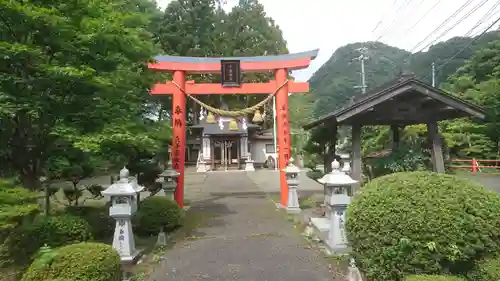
<point>248,240</point>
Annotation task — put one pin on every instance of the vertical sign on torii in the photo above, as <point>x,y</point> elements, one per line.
<point>231,70</point>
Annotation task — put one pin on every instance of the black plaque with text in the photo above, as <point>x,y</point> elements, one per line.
<point>230,73</point>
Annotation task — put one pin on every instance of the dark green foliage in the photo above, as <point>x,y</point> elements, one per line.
<point>315,174</point>
<point>101,224</point>
<point>95,190</point>
<point>403,159</point>
<point>422,222</point>
<point>486,269</point>
<point>16,205</point>
<point>53,231</point>
<point>77,262</point>
<point>433,278</point>
<point>155,213</point>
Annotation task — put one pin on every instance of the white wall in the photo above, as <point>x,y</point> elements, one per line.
<point>258,150</point>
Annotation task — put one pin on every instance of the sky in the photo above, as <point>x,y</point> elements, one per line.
<point>329,24</point>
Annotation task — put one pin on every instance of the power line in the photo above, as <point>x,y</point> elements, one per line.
<point>383,17</point>
<point>490,13</point>
<point>468,14</point>
<point>404,5</point>
<point>422,17</point>
<point>466,47</point>
<point>442,25</point>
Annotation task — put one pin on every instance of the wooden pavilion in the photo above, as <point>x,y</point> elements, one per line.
<point>398,103</point>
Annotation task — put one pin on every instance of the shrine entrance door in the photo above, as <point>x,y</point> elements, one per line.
<point>226,153</point>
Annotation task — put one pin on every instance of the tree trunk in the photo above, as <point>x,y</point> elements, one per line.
<point>30,180</point>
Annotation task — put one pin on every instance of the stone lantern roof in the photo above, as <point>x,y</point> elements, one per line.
<point>337,177</point>
<point>123,187</point>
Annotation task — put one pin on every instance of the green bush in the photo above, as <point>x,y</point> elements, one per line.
<point>433,278</point>
<point>78,262</point>
<point>314,174</point>
<point>155,213</point>
<point>422,222</point>
<point>17,205</point>
<point>53,231</point>
<point>101,224</point>
<point>487,269</point>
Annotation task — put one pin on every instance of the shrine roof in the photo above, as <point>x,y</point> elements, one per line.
<point>253,64</point>
<point>404,101</point>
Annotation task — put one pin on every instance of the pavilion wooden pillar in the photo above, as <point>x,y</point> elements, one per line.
<point>179,133</point>
<point>356,155</point>
<point>436,149</point>
<point>283,128</point>
<point>395,129</point>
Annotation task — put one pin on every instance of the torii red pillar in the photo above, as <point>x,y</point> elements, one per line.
<point>178,87</point>
<point>283,130</point>
<point>179,133</point>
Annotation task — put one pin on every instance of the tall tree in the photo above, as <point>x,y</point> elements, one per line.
<point>202,28</point>
<point>67,68</point>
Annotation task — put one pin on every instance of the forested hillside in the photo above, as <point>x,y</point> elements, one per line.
<point>333,85</point>
<point>466,74</point>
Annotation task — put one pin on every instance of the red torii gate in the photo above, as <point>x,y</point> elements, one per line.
<point>178,87</point>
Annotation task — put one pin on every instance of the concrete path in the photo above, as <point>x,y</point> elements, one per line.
<point>248,240</point>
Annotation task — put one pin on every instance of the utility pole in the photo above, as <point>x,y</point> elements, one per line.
<point>362,59</point>
<point>433,74</point>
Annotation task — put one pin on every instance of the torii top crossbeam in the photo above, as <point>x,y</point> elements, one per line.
<point>200,65</point>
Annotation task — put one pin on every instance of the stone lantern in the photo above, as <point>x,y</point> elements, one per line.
<point>122,194</point>
<point>334,182</point>
<point>168,179</point>
<point>337,180</point>
<point>249,163</point>
<point>346,168</point>
<point>337,241</point>
<point>292,180</point>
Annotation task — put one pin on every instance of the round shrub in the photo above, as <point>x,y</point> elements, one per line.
<point>54,231</point>
<point>82,262</point>
<point>486,269</point>
<point>101,224</point>
<point>155,213</point>
<point>433,278</point>
<point>421,222</point>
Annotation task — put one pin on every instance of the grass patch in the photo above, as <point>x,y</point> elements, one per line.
<point>154,255</point>
<point>308,203</point>
<point>275,197</point>
<point>11,274</point>
<point>338,265</point>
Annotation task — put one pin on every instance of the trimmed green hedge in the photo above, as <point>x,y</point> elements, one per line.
<point>53,231</point>
<point>422,222</point>
<point>433,278</point>
<point>487,269</point>
<point>101,224</point>
<point>314,174</point>
<point>78,262</point>
<point>155,213</point>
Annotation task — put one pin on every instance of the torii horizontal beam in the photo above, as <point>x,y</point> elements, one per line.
<point>193,88</point>
<point>193,65</point>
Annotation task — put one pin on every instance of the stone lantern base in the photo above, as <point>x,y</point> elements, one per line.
<point>202,168</point>
<point>249,165</point>
<point>293,205</point>
<point>321,224</point>
<point>168,192</point>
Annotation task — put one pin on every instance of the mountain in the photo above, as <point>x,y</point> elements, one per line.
<point>333,85</point>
